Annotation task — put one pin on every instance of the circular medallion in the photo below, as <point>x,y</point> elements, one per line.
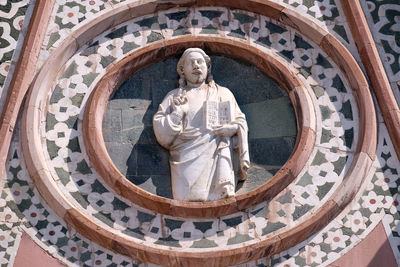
<point>67,157</point>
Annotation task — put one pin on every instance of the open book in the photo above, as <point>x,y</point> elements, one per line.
<point>217,113</point>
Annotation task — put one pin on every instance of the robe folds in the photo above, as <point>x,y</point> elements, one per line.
<point>203,165</point>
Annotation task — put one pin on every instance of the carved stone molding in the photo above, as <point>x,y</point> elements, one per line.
<point>92,127</point>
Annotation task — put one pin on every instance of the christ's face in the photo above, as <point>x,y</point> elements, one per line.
<point>195,68</point>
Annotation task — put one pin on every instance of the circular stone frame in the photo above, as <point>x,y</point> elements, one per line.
<point>119,72</point>
<point>36,164</point>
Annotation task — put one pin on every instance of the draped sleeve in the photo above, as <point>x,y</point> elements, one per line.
<point>165,128</point>
<point>241,144</point>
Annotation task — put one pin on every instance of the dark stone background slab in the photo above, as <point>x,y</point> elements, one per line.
<point>130,140</point>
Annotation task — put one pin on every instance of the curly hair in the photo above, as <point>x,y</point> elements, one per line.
<point>179,67</point>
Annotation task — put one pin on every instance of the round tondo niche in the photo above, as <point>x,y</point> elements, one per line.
<point>129,135</point>
<point>141,103</point>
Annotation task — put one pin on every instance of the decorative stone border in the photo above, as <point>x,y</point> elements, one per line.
<point>379,80</point>
<point>275,243</point>
<point>23,75</point>
<point>96,149</point>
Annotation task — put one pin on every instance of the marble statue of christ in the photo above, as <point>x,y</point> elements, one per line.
<point>204,130</point>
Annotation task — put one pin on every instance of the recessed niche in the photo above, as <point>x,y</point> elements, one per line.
<point>130,140</point>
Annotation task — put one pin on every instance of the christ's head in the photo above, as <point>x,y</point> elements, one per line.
<point>193,67</point>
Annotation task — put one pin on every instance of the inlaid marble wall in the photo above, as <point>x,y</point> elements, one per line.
<point>12,15</point>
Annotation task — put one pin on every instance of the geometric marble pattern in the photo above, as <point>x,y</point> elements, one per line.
<point>71,13</point>
<point>12,15</point>
<point>22,205</point>
<point>384,20</point>
<point>334,104</point>
<point>333,101</point>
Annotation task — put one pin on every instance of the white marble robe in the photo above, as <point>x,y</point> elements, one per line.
<point>202,163</point>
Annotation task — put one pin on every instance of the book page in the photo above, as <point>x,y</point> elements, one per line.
<point>210,114</point>
<point>224,113</point>
<point>217,113</point>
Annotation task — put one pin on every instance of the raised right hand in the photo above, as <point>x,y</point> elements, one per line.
<point>180,104</point>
